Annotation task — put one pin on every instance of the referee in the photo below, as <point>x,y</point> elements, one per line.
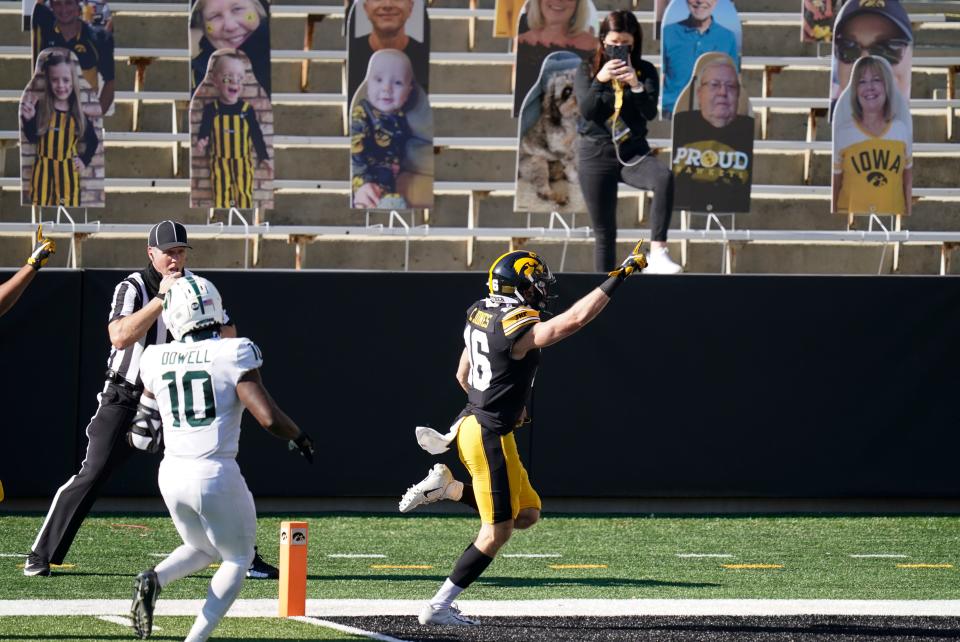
<point>134,324</point>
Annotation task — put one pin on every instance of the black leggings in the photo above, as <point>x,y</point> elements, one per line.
<point>600,173</point>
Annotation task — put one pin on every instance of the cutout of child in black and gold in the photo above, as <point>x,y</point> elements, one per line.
<point>229,129</point>
<point>380,131</point>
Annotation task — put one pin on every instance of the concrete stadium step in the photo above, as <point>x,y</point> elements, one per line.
<point>481,165</point>
<point>325,77</point>
<point>451,255</point>
<point>797,214</point>
<point>758,258</point>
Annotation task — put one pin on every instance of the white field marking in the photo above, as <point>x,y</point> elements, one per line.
<point>531,555</point>
<point>159,554</point>
<point>343,628</point>
<point>267,608</point>
<point>353,555</point>
<point>880,555</point>
<point>13,555</point>
<point>704,555</point>
<point>122,620</point>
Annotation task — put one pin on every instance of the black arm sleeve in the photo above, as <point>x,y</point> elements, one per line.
<point>595,104</point>
<point>257,135</point>
<point>90,141</point>
<point>206,121</point>
<point>29,128</point>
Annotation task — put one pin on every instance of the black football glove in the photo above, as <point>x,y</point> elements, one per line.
<point>304,444</point>
<point>633,263</point>
<point>42,250</point>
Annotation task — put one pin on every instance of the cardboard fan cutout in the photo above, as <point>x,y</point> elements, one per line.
<point>545,27</point>
<point>547,178</point>
<point>243,25</point>
<point>61,129</point>
<point>391,137</point>
<point>692,28</point>
<point>231,137</point>
<point>373,25</point>
<point>713,140</point>
<point>872,143</point>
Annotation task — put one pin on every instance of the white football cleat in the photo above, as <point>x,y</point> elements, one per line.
<point>449,615</point>
<point>432,489</point>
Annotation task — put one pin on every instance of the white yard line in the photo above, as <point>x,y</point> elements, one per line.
<point>343,628</point>
<point>534,555</point>
<point>695,555</point>
<point>357,555</point>
<point>20,555</point>
<point>879,555</point>
<point>117,619</point>
<point>123,621</point>
<point>514,608</point>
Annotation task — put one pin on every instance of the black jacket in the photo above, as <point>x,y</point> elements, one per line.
<point>596,102</point>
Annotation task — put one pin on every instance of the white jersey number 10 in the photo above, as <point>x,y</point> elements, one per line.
<point>189,411</point>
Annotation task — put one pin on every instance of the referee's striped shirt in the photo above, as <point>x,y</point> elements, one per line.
<point>130,296</point>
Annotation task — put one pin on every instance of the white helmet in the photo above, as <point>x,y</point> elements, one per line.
<point>191,303</point>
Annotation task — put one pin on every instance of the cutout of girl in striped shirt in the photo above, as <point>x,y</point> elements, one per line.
<point>65,137</point>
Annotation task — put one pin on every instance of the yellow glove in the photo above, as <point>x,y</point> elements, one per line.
<point>42,250</point>
<point>633,263</point>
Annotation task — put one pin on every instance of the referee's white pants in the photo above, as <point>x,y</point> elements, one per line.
<point>216,520</point>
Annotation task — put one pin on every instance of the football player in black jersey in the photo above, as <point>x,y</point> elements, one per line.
<point>503,336</point>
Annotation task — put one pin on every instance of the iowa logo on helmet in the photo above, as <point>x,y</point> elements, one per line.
<point>527,266</point>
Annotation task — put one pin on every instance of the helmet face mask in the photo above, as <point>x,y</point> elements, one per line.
<point>521,276</point>
<point>192,303</point>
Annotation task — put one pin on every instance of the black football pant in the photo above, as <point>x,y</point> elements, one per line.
<point>107,449</point>
<point>600,173</point>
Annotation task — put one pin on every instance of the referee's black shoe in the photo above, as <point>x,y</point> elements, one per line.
<point>260,570</point>
<point>36,565</point>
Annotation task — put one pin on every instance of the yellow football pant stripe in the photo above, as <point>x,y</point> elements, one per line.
<point>501,494</point>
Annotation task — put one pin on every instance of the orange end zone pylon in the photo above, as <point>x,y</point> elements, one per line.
<point>293,568</point>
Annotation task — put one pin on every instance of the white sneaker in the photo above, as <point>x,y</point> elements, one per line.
<point>445,615</point>
<point>432,489</point>
<point>659,262</point>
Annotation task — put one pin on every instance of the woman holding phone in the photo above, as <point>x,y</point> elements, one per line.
<point>617,92</point>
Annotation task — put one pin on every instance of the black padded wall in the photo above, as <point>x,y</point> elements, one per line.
<point>687,386</point>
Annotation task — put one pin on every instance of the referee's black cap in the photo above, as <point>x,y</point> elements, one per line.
<point>168,234</point>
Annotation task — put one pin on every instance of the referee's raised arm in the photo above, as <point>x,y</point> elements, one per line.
<point>127,330</point>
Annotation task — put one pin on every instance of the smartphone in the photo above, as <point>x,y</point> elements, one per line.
<point>618,51</point>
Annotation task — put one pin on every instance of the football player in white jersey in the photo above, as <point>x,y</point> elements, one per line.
<point>199,385</point>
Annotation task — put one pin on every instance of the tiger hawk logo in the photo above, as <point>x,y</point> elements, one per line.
<point>527,267</point>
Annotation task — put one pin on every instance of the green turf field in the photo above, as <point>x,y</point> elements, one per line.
<point>90,629</point>
<point>623,557</point>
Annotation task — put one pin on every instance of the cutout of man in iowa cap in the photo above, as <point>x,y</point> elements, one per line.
<point>872,27</point>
